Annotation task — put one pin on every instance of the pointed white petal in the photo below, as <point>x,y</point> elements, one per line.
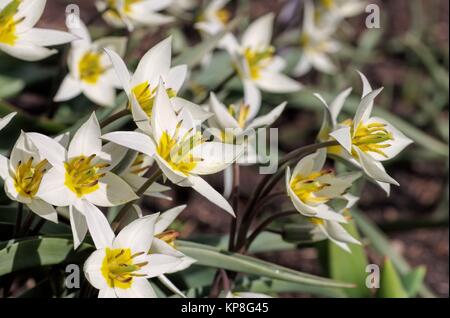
<point>27,51</point>
<point>365,107</point>
<point>4,167</point>
<point>102,93</point>
<point>221,113</point>
<point>121,69</point>
<point>277,83</point>
<point>138,235</point>
<point>140,288</point>
<point>177,76</point>
<point>216,156</point>
<point>167,218</point>
<point>252,97</point>
<point>53,190</point>
<point>171,286</point>
<point>344,137</point>
<point>338,103</point>
<point>70,88</point>
<point>44,210</point>
<point>44,37</point>
<point>86,140</point>
<point>206,190</point>
<point>5,120</point>
<point>49,149</point>
<point>259,34</point>
<point>93,269</point>
<point>78,225</point>
<point>132,140</point>
<point>374,169</point>
<point>159,264</point>
<point>164,118</point>
<point>268,119</point>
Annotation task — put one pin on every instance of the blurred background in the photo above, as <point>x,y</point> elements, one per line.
<point>408,55</point>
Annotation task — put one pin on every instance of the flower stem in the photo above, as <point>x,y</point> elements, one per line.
<point>18,220</point>
<point>152,179</point>
<point>236,179</point>
<point>269,182</point>
<point>113,118</point>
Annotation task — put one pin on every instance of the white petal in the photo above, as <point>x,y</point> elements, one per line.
<point>259,34</point>
<point>86,140</point>
<point>164,118</point>
<point>4,167</point>
<point>338,103</point>
<point>53,190</point>
<point>5,120</point>
<point>140,288</point>
<point>98,225</point>
<point>167,218</point>
<point>78,225</point>
<point>154,64</point>
<point>198,113</point>
<point>69,89</point>
<point>252,97</point>
<point>93,269</point>
<point>323,64</point>
<point>303,66</point>
<point>177,76</point>
<point>30,11</point>
<point>79,29</point>
<point>277,83</point>
<point>206,190</point>
<point>27,51</point>
<point>49,149</point>
<point>174,176</point>
<point>365,107</point>
<point>138,235</point>
<point>113,191</point>
<point>151,19</point>
<point>216,156</point>
<point>344,137</point>
<point>44,210</point>
<point>305,166</point>
<point>221,113</point>
<point>171,286</point>
<point>102,93</point>
<point>268,119</point>
<point>44,37</point>
<point>107,292</point>
<point>121,69</point>
<point>159,264</point>
<point>132,140</point>
<point>374,169</point>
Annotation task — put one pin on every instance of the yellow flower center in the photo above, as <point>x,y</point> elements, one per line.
<point>372,138</point>
<point>316,221</point>
<point>223,15</point>
<point>118,268</point>
<point>169,237</point>
<point>114,8</point>
<point>82,176</point>
<point>146,96</point>
<point>28,177</point>
<point>306,187</point>
<point>258,60</point>
<point>7,24</point>
<point>313,46</point>
<point>90,67</point>
<point>177,151</point>
<point>327,4</point>
<point>239,113</point>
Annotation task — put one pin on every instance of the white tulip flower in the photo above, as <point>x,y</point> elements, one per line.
<point>19,38</point>
<point>332,230</point>
<point>334,11</point>
<point>122,264</point>
<point>142,86</point>
<point>316,44</point>
<point>90,69</point>
<point>365,141</point>
<point>311,188</point>
<point>22,175</point>
<point>6,120</point>
<point>134,13</point>
<point>80,178</point>
<point>180,149</point>
<point>257,64</point>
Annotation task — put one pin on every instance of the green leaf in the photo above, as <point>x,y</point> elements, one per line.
<point>10,87</point>
<point>382,245</point>
<point>213,257</point>
<point>37,252</point>
<point>390,282</point>
<point>413,281</point>
<point>193,56</point>
<point>349,267</point>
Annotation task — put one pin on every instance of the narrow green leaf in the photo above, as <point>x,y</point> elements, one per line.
<point>390,282</point>
<point>349,267</point>
<point>413,281</point>
<point>213,257</point>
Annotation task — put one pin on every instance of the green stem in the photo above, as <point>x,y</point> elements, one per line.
<point>152,179</point>
<point>18,220</point>
<point>236,177</point>
<point>113,118</point>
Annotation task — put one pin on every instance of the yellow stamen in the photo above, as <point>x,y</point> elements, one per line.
<point>372,138</point>
<point>145,96</point>
<point>223,15</point>
<point>28,177</point>
<point>82,176</point>
<point>306,187</point>
<point>90,67</point>
<point>118,268</point>
<point>169,237</point>
<point>178,151</point>
<point>258,60</point>
<point>8,32</point>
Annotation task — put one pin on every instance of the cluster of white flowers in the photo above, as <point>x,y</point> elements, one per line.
<point>75,173</point>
